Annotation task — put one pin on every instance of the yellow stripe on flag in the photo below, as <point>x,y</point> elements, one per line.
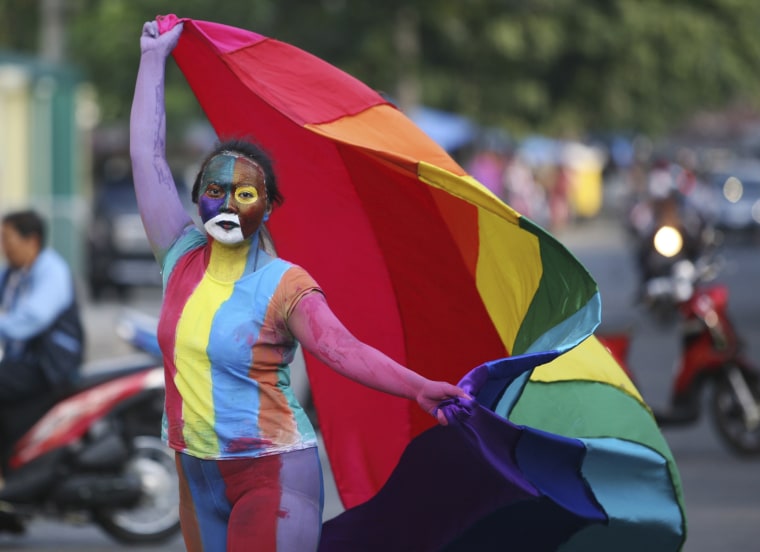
<point>588,361</point>
<point>505,281</point>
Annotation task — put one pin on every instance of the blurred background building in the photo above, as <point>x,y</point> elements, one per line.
<point>47,114</point>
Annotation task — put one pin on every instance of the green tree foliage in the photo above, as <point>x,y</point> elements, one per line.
<point>18,25</point>
<point>558,66</point>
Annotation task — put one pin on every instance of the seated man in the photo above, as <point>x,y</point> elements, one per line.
<point>41,336</point>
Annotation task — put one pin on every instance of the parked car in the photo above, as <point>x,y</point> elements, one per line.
<point>735,197</point>
<point>119,257</point>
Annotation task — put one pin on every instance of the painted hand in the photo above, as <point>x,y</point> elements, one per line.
<point>432,393</point>
<point>152,40</point>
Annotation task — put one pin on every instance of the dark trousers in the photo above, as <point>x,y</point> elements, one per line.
<point>20,380</point>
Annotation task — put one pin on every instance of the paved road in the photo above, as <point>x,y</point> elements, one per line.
<point>722,492</point>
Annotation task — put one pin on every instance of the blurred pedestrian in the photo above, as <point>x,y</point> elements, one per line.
<point>487,167</point>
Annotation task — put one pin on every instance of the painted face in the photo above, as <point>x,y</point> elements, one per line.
<point>232,198</point>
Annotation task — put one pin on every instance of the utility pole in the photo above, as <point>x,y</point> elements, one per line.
<point>52,46</point>
<point>408,50</point>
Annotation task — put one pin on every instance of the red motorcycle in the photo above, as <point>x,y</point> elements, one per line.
<point>93,452</point>
<point>711,355</point>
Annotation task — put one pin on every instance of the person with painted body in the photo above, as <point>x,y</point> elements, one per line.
<point>231,318</point>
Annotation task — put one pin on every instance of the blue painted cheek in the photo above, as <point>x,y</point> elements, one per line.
<point>209,208</point>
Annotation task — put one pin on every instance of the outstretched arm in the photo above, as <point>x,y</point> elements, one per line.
<point>320,332</point>
<point>161,209</point>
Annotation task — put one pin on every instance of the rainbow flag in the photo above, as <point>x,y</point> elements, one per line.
<point>423,262</point>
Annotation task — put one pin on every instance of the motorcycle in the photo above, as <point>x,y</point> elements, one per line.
<point>711,352</point>
<point>93,453</point>
<point>674,232</point>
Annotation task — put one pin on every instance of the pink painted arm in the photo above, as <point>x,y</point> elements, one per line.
<point>161,209</point>
<point>320,332</point>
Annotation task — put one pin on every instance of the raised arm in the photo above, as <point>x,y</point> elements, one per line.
<point>320,332</point>
<point>161,209</point>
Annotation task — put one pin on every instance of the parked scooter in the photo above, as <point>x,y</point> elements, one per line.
<point>711,353</point>
<point>93,453</point>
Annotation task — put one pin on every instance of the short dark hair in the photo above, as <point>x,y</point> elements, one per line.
<point>255,153</point>
<point>28,223</point>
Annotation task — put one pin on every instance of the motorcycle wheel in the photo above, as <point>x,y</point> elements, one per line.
<point>741,437</point>
<point>156,517</point>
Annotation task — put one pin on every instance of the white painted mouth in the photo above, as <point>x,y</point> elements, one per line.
<point>225,228</point>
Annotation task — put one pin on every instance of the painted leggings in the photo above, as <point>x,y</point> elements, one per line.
<point>271,503</point>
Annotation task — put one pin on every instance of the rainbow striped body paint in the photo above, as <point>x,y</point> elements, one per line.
<point>227,349</point>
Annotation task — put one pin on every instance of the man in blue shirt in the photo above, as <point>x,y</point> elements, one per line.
<point>41,334</point>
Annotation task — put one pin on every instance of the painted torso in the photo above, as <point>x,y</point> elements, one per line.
<point>223,333</point>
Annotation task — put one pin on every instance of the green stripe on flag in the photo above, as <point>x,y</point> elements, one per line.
<point>565,288</point>
<point>587,409</point>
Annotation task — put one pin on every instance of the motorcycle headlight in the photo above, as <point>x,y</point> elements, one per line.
<point>668,241</point>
